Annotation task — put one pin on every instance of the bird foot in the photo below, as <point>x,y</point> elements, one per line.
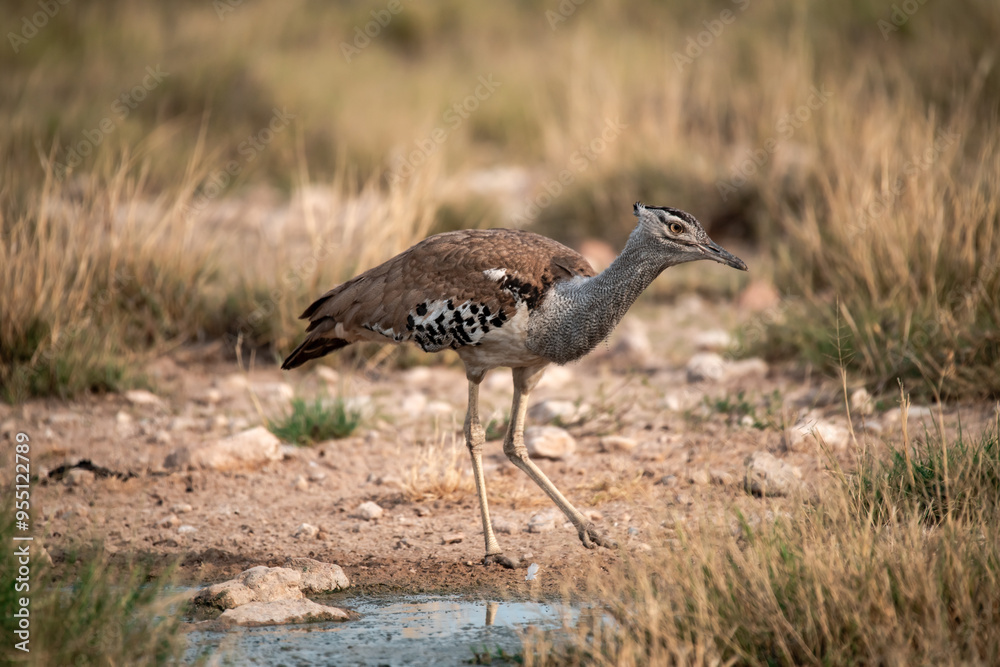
<point>500,559</point>
<point>591,538</point>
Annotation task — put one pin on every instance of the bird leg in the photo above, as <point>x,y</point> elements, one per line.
<point>525,380</point>
<point>475,438</point>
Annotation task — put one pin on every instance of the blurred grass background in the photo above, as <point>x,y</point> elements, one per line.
<point>263,152</point>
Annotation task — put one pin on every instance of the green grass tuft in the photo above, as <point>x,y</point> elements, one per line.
<point>309,423</point>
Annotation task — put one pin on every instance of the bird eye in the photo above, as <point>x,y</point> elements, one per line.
<point>676,228</point>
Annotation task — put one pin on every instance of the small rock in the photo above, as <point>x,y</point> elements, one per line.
<point>123,418</point>
<point>722,477</point>
<point>168,521</point>
<point>668,480</point>
<point>767,475</point>
<point>275,391</point>
<point>317,476</point>
<point>181,508</point>
<point>617,443</point>
<point>706,366</point>
<point>593,515</point>
<point>79,477</point>
<point>305,531</point>
<point>549,442</point>
<point>161,438</point>
<point>235,383</point>
<point>248,449</point>
<point>281,612</point>
<point>186,529</point>
<point>318,577</point>
<point>452,538</point>
<point>258,584</point>
<point>679,400</point>
<point>210,397</point>
<point>144,398</point>
<point>712,339</point>
<point>809,430</point>
<point>564,413</point>
<point>700,477</point>
<point>370,511</point>
<point>915,412</point>
<point>542,522</point>
<point>301,483</point>
<point>501,525</point>
<point>746,368</point>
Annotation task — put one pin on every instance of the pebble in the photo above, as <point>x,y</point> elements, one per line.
<point>706,367</point>
<point>617,443</point>
<point>249,449</point>
<point>501,525</point>
<point>186,529</point>
<point>766,475</point>
<point>301,483</point>
<point>754,367</point>
<point>452,538</point>
<point>123,418</point>
<point>161,438</point>
<point>370,511</point>
<point>317,476</point>
<point>593,515</point>
<point>144,398</point>
<point>306,531</point>
<point>549,442</point>
<point>181,508</point>
<point>809,430</point>
<point>679,400</point>
<point>700,477</point>
<point>722,477</point>
<point>542,522</point>
<point>564,413</point>
<point>712,339</point>
<point>895,415</point>
<point>168,521</point>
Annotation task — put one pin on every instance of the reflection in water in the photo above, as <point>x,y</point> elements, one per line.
<point>491,612</point>
<point>415,630</point>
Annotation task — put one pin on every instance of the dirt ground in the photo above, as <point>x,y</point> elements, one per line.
<point>683,457</point>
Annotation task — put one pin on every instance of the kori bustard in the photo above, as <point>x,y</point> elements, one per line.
<point>504,297</point>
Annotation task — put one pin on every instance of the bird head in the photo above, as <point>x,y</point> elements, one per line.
<point>680,236</point>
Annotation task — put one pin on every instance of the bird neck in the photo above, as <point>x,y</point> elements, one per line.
<point>578,314</point>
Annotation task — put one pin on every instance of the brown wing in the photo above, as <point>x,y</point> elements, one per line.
<point>446,291</point>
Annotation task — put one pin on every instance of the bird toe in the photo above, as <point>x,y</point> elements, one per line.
<point>500,559</point>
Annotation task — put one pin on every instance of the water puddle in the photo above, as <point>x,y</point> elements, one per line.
<point>414,630</point>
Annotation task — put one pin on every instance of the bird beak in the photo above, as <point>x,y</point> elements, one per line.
<point>714,251</point>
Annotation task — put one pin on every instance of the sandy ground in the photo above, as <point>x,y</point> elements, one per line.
<point>683,458</point>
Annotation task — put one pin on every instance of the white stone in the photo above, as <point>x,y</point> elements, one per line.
<point>811,430</point>
<point>305,531</point>
<point>915,412</point>
<point>700,477</point>
<point>542,522</point>
<point>706,367</point>
<point>712,339</point>
<point>249,449</point>
<point>370,511</point>
<point>168,521</point>
<point>318,577</point>
<point>766,475</point>
<point>555,377</point>
<point>144,398</point>
<point>181,508</point>
<point>753,367</point>
<point>280,612</point>
<point>617,443</point>
<point>186,529</point>
<point>549,442</point>
<point>562,413</point>
<point>301,483</point>
<point>682,399</point>
<point>452,538</point>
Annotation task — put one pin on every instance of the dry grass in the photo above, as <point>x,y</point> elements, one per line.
<point>873,206</point>
<point>832,583</point>
<point>441,472</point>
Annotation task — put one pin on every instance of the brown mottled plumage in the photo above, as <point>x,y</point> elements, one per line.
<point>504,297</point>
<point>449,266</point>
